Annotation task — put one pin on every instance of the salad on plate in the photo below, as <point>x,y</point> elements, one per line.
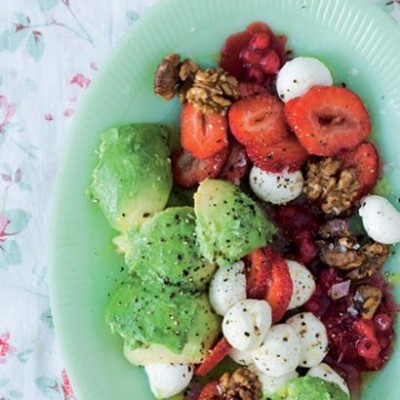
<point>252,236</point>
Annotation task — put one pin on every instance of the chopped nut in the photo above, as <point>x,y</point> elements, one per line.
<point>334,188</point>
<point>211,90</point>
<point>366,300</point>
<point>340,250</point>
<point>240,385</point>
<point>342,253</point>
<point>375,256</point>
<point>335,228</point>
<point>167,76</point>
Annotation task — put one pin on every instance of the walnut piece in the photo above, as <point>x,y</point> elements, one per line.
<point>167,76</point>
<point>375,256</point>
<point>330,185</point>
<point>211,90</point>
<point>366,300</point>
<point>340,250</point>
<point>240,385</point>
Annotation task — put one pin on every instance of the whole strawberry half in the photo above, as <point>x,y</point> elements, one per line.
<point>328,119</point>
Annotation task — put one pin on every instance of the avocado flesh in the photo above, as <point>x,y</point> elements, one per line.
<point>165,250</point>
<point>202,335</point>
<point>230,224</point>
<point>310,388</point>
<point>133,178</point>
<point>148,315</point>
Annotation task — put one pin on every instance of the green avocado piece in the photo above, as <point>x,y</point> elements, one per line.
<point>133,178</point>
<point>229,223</point>
<point>202,334</point>
<point>310,388</point>
<point>165,250</point>
<point>145,315</point>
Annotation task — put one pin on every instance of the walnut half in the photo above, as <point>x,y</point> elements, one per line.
<point>240,385</point>
<point>340,250</point>
<point>328,184</point>
<point>210,90</point>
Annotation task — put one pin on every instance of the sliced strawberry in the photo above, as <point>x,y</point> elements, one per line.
<point>257,274</point>
<point>328,119</point>
<point>237,164</point>
<point>211,391</point>
<point>188,171</point>
<point>216,355</point>
<point>287,153</point>
<point>258,120</point>
<point>365,159</point>
<point>280,285</point>
<point>202,135</point>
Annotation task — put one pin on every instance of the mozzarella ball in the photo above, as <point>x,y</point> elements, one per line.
<point>227,287</point>
<point>271,385</point>
<point>167,380</point>
<point>241,357</point>
<point>303,284</point>
<point>246,324</point>
<point>280,352</point>
<point>313,338</point>
<point>299,75</point>
<point>325,372</point>
<point>380,219</point>
<point>276,187</point>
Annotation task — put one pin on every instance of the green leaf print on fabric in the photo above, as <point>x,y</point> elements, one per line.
<point>11,38</point>
<point>10,254</point>
<point>45,5</point>
<point>47,318</point>
<point>23,356</point>
<point>35,45</point>
<point>50,388</point>
<point>18,220</point>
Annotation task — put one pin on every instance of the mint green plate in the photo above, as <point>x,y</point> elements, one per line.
<point>355,38</point>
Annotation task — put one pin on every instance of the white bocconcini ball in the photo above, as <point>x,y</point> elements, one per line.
<point>380,219</point>
<point>227,287</point>
<point>241,357</point>
<point>303,284</point>
<point>299,75</point>
<point>246,324</point>
<point>313,338</point>
<point>276,187</point>
<point>280,352</point>
<point>325,372</point>
<point>271,385</point>
<point>167,380</point>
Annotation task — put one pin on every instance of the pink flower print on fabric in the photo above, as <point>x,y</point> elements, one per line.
<point>4,222</point>
<point>7,110</point>
<point>5,348</point>
<point>66,386</point>
<point>81,80</point>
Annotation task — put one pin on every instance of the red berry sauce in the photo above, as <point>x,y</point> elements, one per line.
<point>254,55</point>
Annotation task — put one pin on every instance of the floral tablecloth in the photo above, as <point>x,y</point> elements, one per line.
<point>50,50</point>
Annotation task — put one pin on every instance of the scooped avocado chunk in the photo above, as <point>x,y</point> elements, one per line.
<point>148,315</point>
<point>202,335</point>
<point>229,223</point>
<point>165,250</point>
<point>133,179</point>
<point>309,388</point>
